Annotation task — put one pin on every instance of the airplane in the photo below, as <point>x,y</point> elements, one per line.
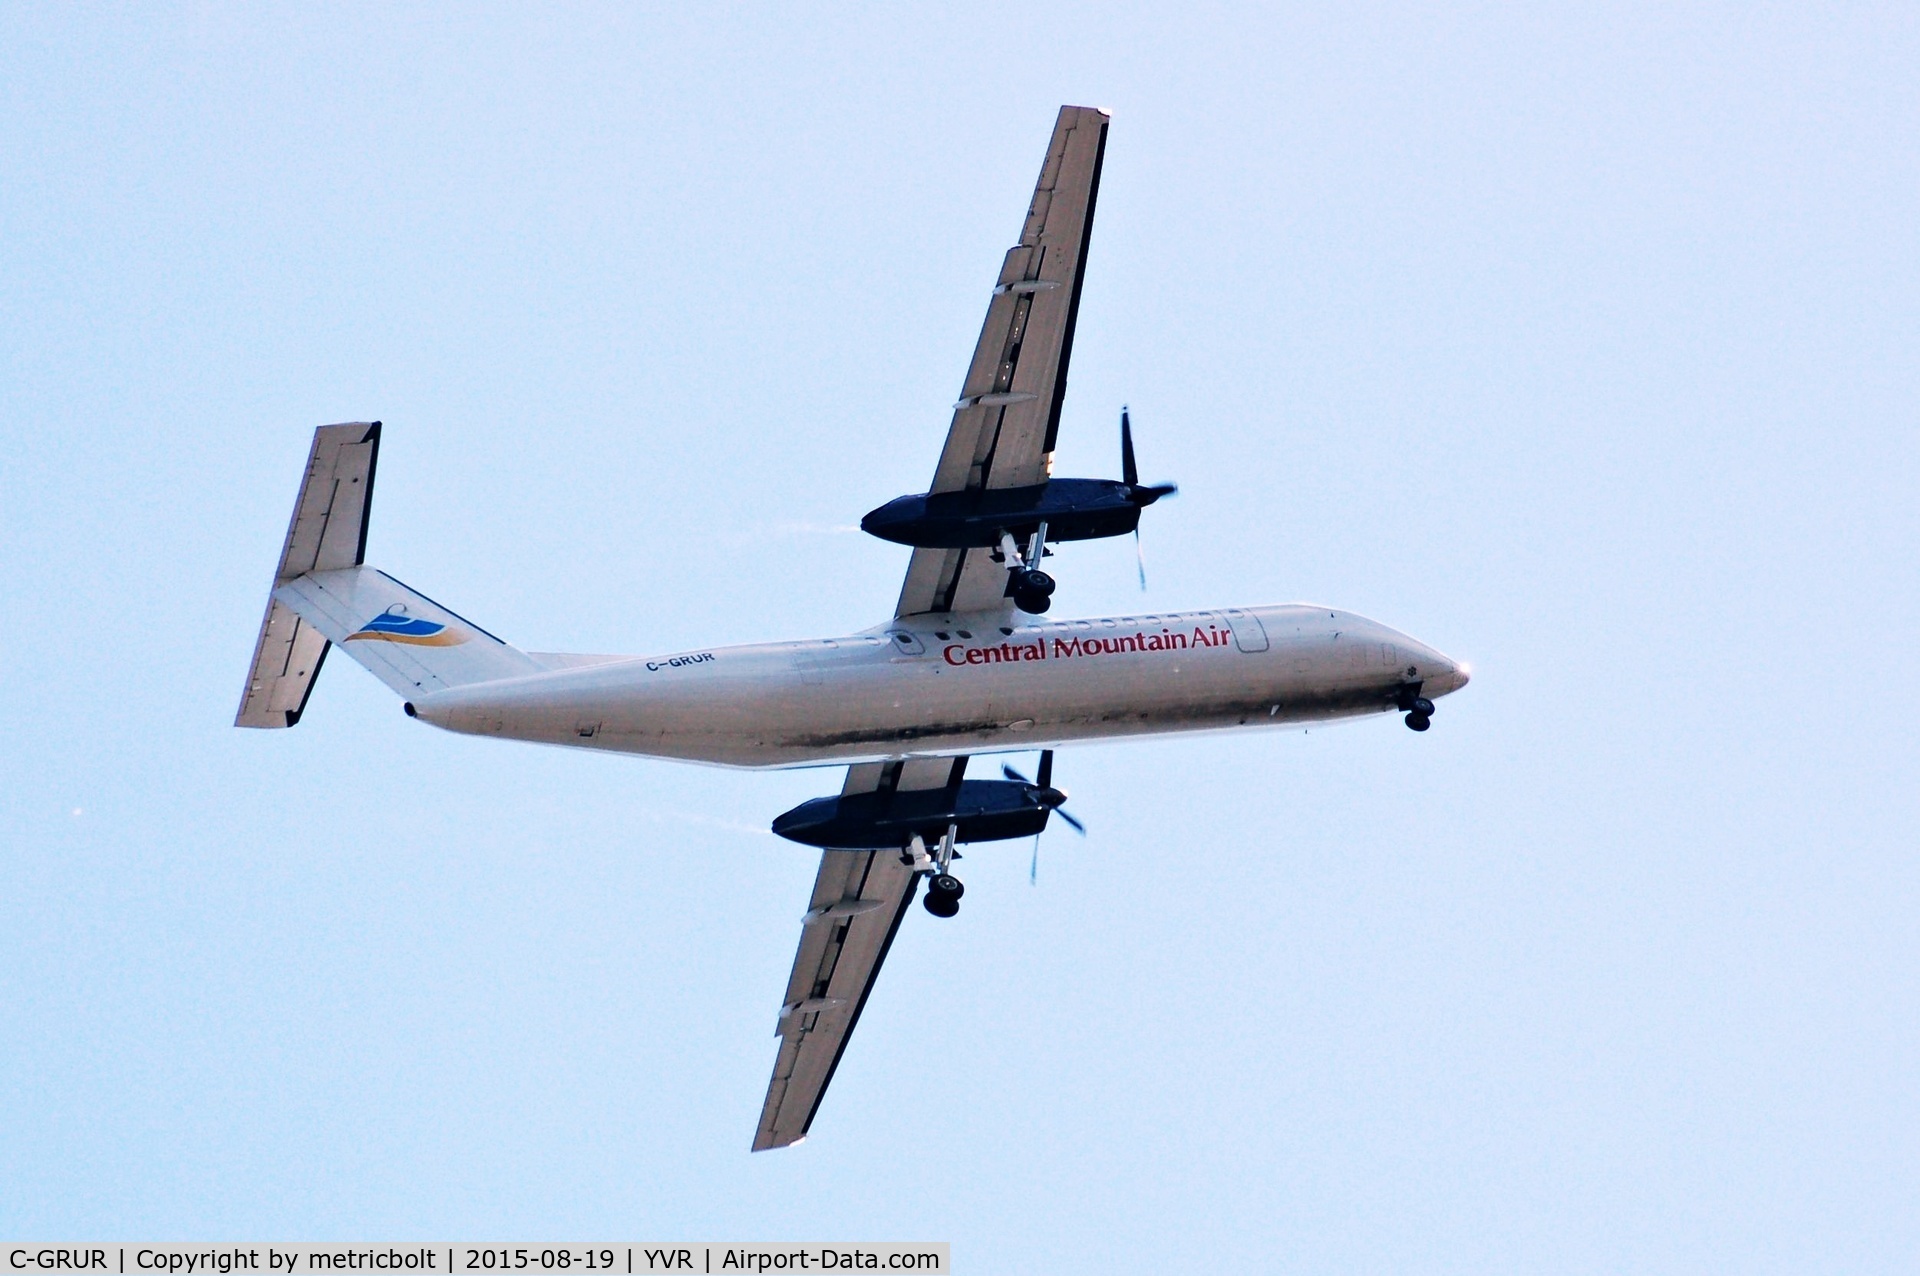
<point>969,664</point>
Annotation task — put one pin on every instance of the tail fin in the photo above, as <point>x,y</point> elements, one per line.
<point>404,639</point>
<point>322,595</point>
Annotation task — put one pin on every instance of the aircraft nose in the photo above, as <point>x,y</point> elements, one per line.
<point>1452,677</point>
<point>1438,672</point>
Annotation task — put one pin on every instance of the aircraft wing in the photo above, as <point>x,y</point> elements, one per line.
<point>858,900</point>
<point>1002,435</point>
<point>1008,415</point>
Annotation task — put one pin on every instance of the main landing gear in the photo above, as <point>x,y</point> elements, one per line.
<point>943,894</point>
<point>1030,588</point>
<point>943,888</point>
<point>1418,708</point>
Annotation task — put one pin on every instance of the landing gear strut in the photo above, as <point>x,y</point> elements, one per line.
<point>1418,708</point>
<point>1030,588</point>
<point>943,888</point>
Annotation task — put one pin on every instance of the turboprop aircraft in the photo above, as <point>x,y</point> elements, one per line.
<point>969,664</point>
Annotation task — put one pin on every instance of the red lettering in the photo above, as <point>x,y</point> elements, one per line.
<point>947,655</point>
<point>975,656</point>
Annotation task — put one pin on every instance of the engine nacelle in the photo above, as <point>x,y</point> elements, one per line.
<point>1072,509</point>
<point>981,811</point>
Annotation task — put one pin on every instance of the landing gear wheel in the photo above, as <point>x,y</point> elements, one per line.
<point>943,894</point>
<point>1423,707</point>
<point>1036,582</point>
<point>1419,721</point>
<point>1033,604</point>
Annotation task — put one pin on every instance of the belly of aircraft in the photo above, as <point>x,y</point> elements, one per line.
<point>860,700</point>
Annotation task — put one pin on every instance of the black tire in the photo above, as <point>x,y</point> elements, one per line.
<point>941,905</point>
<point>1033,604</point>
<point>946,884</point>
<point>1419,721</point>
<point>1035,581</point>
<point>1423,707</point>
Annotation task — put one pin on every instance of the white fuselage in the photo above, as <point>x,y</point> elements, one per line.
<point>935,685</point>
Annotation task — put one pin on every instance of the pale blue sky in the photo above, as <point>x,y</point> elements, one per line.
<point>1578,342</point>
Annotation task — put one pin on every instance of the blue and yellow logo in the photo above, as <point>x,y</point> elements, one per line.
<point>394,625</point>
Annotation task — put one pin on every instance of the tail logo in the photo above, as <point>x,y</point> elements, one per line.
<point>394,625</point>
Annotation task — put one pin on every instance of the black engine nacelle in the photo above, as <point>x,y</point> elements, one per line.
<point>982,810</point>
<point>1072,509</point>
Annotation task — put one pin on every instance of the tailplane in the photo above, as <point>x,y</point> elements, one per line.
<point>323,594</point>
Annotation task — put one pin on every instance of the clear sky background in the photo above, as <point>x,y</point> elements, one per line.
<point>1578,342</point>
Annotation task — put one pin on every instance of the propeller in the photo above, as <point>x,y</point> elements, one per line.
<point>1046,795</point>
<point>1141,496</point>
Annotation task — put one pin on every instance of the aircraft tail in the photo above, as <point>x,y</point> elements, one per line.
<point>324,594</point>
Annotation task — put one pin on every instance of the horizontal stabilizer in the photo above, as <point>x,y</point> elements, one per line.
<point>329,531</point>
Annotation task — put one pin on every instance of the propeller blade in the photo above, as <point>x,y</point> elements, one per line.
<point>1046,768</point>
<point>1033,866</point>
<point>1140,558</point>
<point>1130,469</point>
<point>1014,775</point>
<point>1072,823</point>
<point>1145,496</point>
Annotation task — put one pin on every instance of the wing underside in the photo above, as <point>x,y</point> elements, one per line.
<point>1008,415</point>
<point>859,899</point>
<point>1002,436</point>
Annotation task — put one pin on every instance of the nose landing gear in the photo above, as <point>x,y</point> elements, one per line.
<point>1418,708</point>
